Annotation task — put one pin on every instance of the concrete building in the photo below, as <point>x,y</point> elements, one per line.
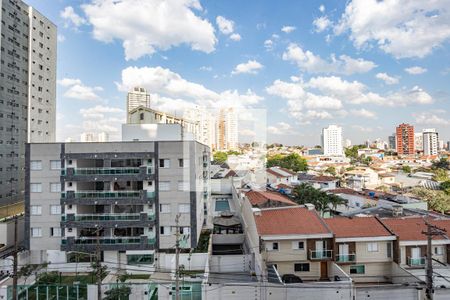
<point>332,141</point>
<point>130,192</point>
<point>27,90</point>
<point>430,142</point>
<point>405,139</point>
<point>418,141</point>
<point>391,142</point>
<point>137,97</point>
<point>206,120</point>
<point>227,130</point>
<point>87,137</point>
<point>103,137</point>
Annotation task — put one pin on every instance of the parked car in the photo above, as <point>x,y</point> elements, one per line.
<point>291,278</point>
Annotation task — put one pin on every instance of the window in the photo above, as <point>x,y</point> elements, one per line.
<point>298,245</point>
<point>185,230</point>
<point>36,232</point>
<point>164,185</point>
<point>272,246</point>
<point>55,187</point>
<point>360,269</point>
<point>372,247</point>
<point>184,208</point>
<point>301,267</point>
<point>141,116</point>
<point>36,165</point>
<point>36,210</point>
<point>164,208</point>
<point>55,231</point>
<point>36,187</point>
<point>181,163</point>
<point>183,185</point>
<point>164,230</point>
<point>140,259</point>
<point>55,209</point>
<point>438,250</point>
<point>389,250</point>
<point>55,164</point>
<point>164,163</point>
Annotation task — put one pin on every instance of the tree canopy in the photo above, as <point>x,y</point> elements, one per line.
<point>292,162</point>
<point>221,156</point>
<point>437,200</point>
<point>440,175</point>
<point>352,152</point>
<point>305,193</point>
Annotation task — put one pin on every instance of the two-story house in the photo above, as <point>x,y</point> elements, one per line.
<point>295,240</point>
<point>278,175</point>
<point>363,247</point>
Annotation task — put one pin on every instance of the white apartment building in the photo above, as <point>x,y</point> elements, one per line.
<point>87,137</point>
<point>430,141</point>
<point>27,90</point>
<point>137,97</point>
<point>206,125</point>
<point>227,129</point>
<point>332,141</point>
<point>418,141</point>
<point>103,137</point>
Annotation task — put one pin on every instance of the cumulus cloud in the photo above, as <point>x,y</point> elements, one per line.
<point>416,70</point>
<point>99,111</point>
<point>227,27</point>
<point>146,26</point>
<point>386,78</point>
<point>310,62</point>
<point>268,44</point>
<point>280,128</point>
<point>78,90</point>
<point>288,29</point>
<point>364,113</point>
<point>235,37</point>
<point>432,118</point>
<point>71,18</point>
<point>321,23</point>
<point>322,8</point>
<point>406,29</point>
<point>249,67</point>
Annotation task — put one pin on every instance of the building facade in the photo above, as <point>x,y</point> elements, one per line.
<point>125,195</point>
<point>430,142</point>
<point>137,97</point>
<point>405,139</point>
<point>27,90</point>
<point>332,141</point>
<point>227,130</point>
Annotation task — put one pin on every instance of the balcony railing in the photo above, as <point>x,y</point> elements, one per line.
<point>107,171</point>
<point>108,217</point>
<point>416,262</point>
<point>320,254</point>
<point>108,194</point>
<point>342,258</point>
<point>108,240</point>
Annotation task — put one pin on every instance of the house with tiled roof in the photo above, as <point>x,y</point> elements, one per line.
<point>363,247</point>
<point>266,199</point>
<point>412,242</point>
<point>295,240</point>
<point>278,175</point>
<point>319,181</point>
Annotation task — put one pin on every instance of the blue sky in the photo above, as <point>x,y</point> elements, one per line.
<point>364,64</point>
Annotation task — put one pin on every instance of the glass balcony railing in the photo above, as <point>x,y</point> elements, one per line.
<point>416,262</point>
<point>345,258</point>
<point>108,240</point>
<point>107,171</point>
<point>320,254</point>
<point>108,217</point>
<point>108,194</point>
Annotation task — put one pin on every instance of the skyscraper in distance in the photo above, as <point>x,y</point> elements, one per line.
<point>405,139</point>
<point>138,96</point>
<point>430,141</point>
<point>332,141</point>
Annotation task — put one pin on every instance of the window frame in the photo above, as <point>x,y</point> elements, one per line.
<point>302,269</point>
<point>33,165</point>
<point>355,267</point>
<point>371,248</point>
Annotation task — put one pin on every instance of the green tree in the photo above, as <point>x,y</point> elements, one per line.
<point>29,269</point>
<point>220,157</point>
<point>437,200</point>
<point>331,170</point>
<point>118,293</point>
<point>305,193</point>
<point>445,186</point>
<point>443,163</point>
<point>352,152</point>
<point>440,175</point>
<point>292,162</point>
<point>406,169</point>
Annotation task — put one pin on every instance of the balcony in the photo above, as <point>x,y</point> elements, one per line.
<point>345,258</point>
<point>416,262</point>
<point>108,243</point>
<point>108,220</point>
<point>108,197</point>
<point>320,254</point>
<point>125,173</point>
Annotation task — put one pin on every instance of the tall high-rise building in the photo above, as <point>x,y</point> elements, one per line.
<point>405,139</point>
<point>103,137</point>
<point>332,141</point>
<point>206,120</point>
<point>137,97</point>
<point>430,141</point>
<point>87,137</point>
<point>391,140</point>
<point>227,129</point>
<point>418,141</point>
<point>27,90</point>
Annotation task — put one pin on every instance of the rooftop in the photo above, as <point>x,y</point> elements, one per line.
<point>289,220</point>
<point>357,227</point>
<point>257,198</point>
<point>280,172</point>
<point>410,229</point>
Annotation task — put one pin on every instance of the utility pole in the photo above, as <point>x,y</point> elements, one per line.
<point>98,266</point>
<point>432,230</point>
<point>15,279</point>
<point>177,258</point>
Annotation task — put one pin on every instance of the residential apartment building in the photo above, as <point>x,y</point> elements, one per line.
<point>430,141</point>
<point>128,193</point>
<point>295,240</point>
<point>27,90</point>
<point>332,141</point>
<point>418,141</point>
<point>227,129</point>
<point>138,96</point>
<point>404,134</point>
<point>363,247</point>
<point>391,142</point>
<point>206,119</point>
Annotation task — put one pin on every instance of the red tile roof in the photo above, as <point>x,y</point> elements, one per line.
<point>274,172</point>
<point>257,198</point>
<point>357,227</point>
<point>289,220</point>
<point>410,229</point>
<point>324,178</point>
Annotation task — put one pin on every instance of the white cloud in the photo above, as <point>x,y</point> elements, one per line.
<point>308,61</point>
<point>145,27</point>
<point>171,85</point>
<point>402,28</point>
<point>235,37</point>
<point>362,128</point>
<point>225,26</point>
<point>322,8</point>
<point>321,23</point>
<point>99,111</point>
<point>280,128</point>
<point>416,70</point>
<point>205,68</point>
<point>77,90</point>
<point>247,132</point>
<point>61,38</point>
<point>70,17</point>
<point>288,29</point>
<point>250,67</point>
<point>432,118</point>
<point>268,44</point>
<point>364,113</point>
<point>386,78</point>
